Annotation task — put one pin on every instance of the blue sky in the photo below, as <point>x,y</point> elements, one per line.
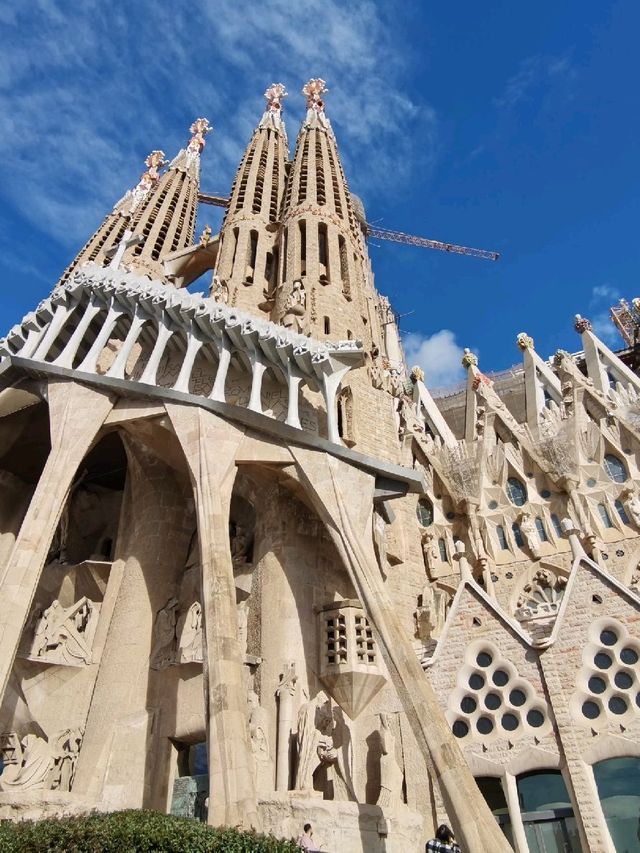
<point>505,125</point>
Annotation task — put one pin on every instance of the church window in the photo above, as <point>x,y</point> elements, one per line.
<point>485,725</point>
<point>605,518</point>
<point>460,728</point>
<point>542,533</point>
<point>629,656</point>
<point>516,491</point>
<point>327,326</point>
<point>608,637</point>
<point>424,511</point>
<point>622,513</point>
<point>492,701</point>
<point>484,659</point>
<point>344,267</point>
<point>517,535</point>
<point>303,246</point>
<point>556,525</point>
<point>618,705</point>
<point>468,705</point>
<point>235,233</point>
<point>442,547</point>
<point>596,684</point>
<point>615,468</point>
<point>322,244</point>
<point>618,784</point>
<point>500,678</point>
<point>502,538</point>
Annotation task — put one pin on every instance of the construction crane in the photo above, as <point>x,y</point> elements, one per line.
<point>385,234</point>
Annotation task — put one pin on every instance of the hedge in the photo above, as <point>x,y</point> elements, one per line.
<point>131,832</point>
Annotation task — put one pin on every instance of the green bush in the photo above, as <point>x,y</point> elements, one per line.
<point>131,832</point>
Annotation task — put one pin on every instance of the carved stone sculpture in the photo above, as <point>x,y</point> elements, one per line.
<point>430,551</point>
<point>632,506</point>
<point>530,534</point>
<point>220,291</point>
<point>432,611</point>
<point>259,736</point>
<point>64,635</point>
<point>331,752</point>
<point>541,597</point>
<point>308,737</point>
<point>189,634</point>
<point>32,762</point>
<point>164,647</point>
<point>295,308</point>
<point>391,774</point>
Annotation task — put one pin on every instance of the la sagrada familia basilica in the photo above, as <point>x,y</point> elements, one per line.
<point>252,571</point>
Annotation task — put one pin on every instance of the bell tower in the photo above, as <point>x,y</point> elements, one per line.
<point>248,260</point>
<point>325,286</point>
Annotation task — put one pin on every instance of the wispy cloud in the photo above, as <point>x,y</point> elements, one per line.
<point>439,355</point>
<point>90,91</point>
<point>603,297</point>
<point>536,74</point>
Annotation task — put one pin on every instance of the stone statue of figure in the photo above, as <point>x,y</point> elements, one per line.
<point>259,735</point>
<point>66,749</point>
<point>632,505</point>
<point>432,612</point>
<point>308,737</point>
<point>430,551</point>
<point>239,545</point>
<point>391,774</point>
<point>295,307</point>
<point>220,290</point>
<point>164,647</point>
<point>189,633</point>
<point>530,534</point>
<point>332,754</point>
<point>65,634</point>
<point>31,766</point>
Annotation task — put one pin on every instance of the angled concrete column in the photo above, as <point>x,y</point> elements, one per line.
<point>118,367</point>
<point>91,359</point>
<point>343,497</point>
<point>165,331</point>
<point>210,446</point>
<point>62,312</point>
<point>293,404</point>
<point>65,359</point>
<point>194,343</point>
<point>76,414</point>
<point>258,367</point>
<point>225,351</point>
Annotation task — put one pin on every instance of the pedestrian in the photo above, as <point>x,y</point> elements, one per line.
<point>306,842</point>
<point>444,842</point>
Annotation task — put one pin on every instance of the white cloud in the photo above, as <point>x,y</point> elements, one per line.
<point>535,71</point>
<point>603,297</point>
<point>439,355</point>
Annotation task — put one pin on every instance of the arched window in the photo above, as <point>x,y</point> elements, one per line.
<point>547,814</point>
<point>424,511</point>
<point>624,518</point>
<point>556,525</point>
<point>618,782</point>
<point>516,491</point>
<point>615,468</point>
<point>493,793</point>
<point>502,539</point>
<point>517,535</point>
<point>542,533</point>
<point>327,326</point>
<point>442,547</point>
<point>605,518</point>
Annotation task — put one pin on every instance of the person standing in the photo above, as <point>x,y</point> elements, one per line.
<point>306,842</point>
<point>444,842</point>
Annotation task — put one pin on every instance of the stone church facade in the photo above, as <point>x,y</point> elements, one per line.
<point>252,571</point>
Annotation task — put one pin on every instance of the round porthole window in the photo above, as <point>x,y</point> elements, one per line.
<point>602,660</point>
<point>468,705</point>
<point>535,718</point>
<point>629,656</point>
<point>460,728</point>
<point>590,710</point>
<point>484,725</point>
<point>484,659</point>
<point>608,638</point>
<point>510,722</point>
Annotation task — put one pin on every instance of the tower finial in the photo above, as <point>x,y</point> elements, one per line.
<point>199,130</point>
<point>154,162</point>
<point>273,111</point>
<point>313,90</point>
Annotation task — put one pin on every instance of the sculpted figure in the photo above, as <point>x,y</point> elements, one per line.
<point>295,307</point>
<point>432,612</point>
<point>189,632</point>
<point>530,534</point>
<point>65,753</point>
<point>65,635</point>
<point>308,738</point>
<point>220,291</point>
<point>239,546</point>
<point>391,775</point>
<point>164,646</point>
<point>30,769</point>
<point>632,505</point>
<point>430,551</point>
<point>259,734</point>
<point>332,756</point>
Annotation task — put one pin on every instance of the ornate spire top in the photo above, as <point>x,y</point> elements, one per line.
<point>199,130</point>
<point>524,341</point>
<point>188,159</point>
<point>273,111</point>
<point>313,90</point>
<point>582,324</point>
<point>469,359</point>
<point>154,162</point>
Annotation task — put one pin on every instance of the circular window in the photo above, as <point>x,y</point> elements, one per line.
<point>476,681</point>
<point>500,678</point>
<point>516,491</point>
<point>535,718</point>
<point>617,705</point>
<point>492,701</point>
<point>510,722</point>
<point>451,516</point>
<point>638,700</point>
<point>597,684</point>
<point>484,725</point>
<point>602,661</point>
<point>460,728</point>
<point>545,493</point>
<point>468,705</point>
<point>424,511</point>
<point>484,659</point>
<point>615,468</point>
<point>517,698</point>
<point>493,504</point>
<point>591,482</point>
<point>629,656</point>
<point>608,638</point>
<point>623,680</point>
<point>590,710</point>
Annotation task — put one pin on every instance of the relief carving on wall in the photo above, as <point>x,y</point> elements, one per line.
<point>541,597</point>
<point>64,635</point>
<point>33,763</point>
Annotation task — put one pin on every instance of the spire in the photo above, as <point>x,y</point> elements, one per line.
<point>325,285</point>
<point>157,216</point>
<point>164,220</point>
<point>248,257</point>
